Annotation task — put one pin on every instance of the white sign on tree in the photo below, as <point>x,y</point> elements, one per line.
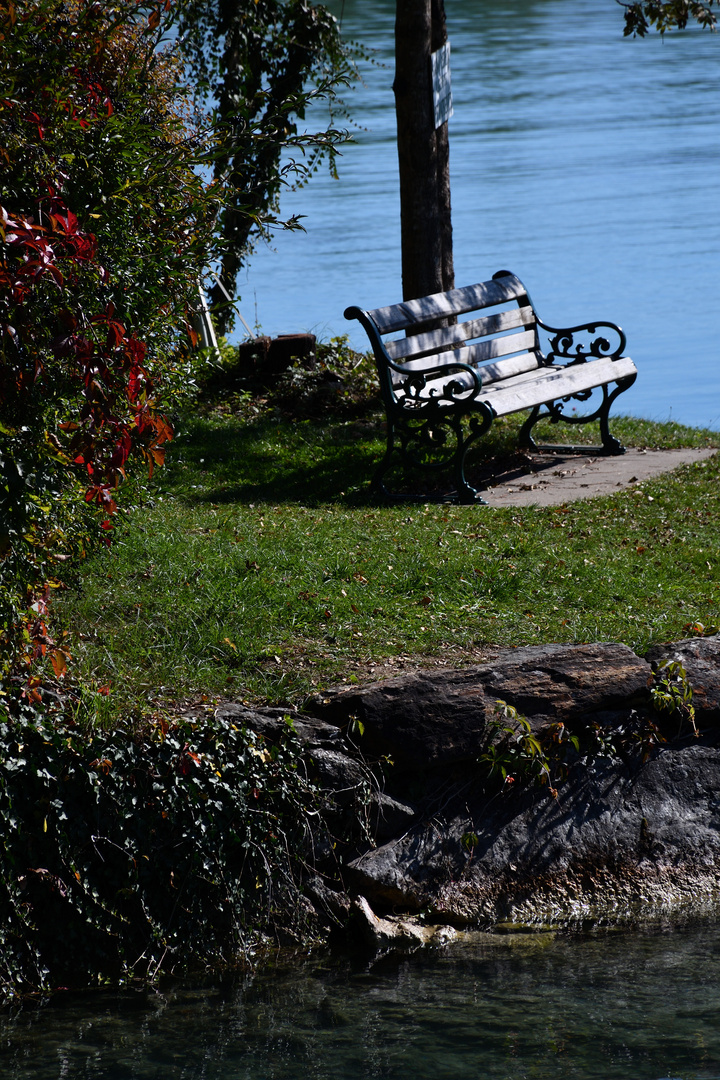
<point>442,92</point>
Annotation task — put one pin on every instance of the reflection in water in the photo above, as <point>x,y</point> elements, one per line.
<point>616,1005</point>
<point>585,162</point>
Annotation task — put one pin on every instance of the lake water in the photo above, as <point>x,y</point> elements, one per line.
<point>585,162</point>
<point>613,1007</point>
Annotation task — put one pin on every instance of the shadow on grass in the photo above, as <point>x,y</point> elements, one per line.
<point>225,460</point>
<point>271,460</point>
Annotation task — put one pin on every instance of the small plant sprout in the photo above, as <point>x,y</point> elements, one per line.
<point>513,751</point>
<point>672,693</point>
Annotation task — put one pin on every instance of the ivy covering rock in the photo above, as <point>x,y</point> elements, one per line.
<point>128,857</point>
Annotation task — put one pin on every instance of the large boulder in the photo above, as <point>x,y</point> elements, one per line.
<point>616,839</point>
<point>440,717</point>
<point>416,823</point>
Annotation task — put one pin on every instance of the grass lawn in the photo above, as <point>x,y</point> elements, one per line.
<point>259,569</point>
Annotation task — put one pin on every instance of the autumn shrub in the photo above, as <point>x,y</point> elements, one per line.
<point>104,227</point>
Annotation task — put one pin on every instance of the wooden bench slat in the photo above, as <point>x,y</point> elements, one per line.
<point>475,354</point>
<point>480,351</point>
<point>551,384</point>
<point>442,305</point>
<point>447,336</point>
<point>505,369</point>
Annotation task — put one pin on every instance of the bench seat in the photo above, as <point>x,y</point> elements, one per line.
<point>449,377</point>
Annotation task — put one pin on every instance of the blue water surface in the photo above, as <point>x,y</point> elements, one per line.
<point>585,162</point>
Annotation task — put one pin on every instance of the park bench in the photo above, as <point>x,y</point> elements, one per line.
<point>444,383</point>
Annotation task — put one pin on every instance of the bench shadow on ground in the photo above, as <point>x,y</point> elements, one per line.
<point>279,463</point>
<point>308,464</point>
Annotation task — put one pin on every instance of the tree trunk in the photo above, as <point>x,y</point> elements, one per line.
<point>423,152</point>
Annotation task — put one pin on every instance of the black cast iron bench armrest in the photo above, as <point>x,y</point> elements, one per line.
<point>563,340</point>
<point>417,379</point>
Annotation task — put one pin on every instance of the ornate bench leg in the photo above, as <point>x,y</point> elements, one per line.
<point>478,425</point>
<point>434,443</point>
<point>555,414</point>
<point>525,439</point>
<point>612,445</point>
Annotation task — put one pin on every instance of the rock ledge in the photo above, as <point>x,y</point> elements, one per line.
<point>417,824</point>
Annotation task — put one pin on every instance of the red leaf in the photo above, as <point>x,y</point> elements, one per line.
<point>136,379</point>
<point>135,350</point>
<point>33,118</point>
<point>116,332</point>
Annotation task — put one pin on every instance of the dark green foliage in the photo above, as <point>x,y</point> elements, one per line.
<point>514,752</point>
<point>667,15</point>
<point>128,857</point>
<point>342,385</point>
<point>339,383</point>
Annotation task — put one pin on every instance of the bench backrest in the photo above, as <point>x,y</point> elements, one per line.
<point>502,341</point>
